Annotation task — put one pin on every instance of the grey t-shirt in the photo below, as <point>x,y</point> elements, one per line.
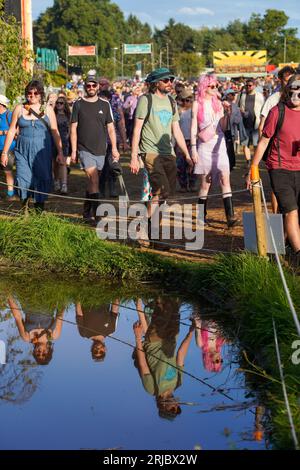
<point>249,119</point>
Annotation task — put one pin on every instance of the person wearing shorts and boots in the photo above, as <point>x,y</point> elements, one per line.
<point>91,119</point>
<point>5,120</point>
<point>152,137</point>
<point>283,161</point>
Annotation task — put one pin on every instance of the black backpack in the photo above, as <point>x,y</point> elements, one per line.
<point>281,113</point>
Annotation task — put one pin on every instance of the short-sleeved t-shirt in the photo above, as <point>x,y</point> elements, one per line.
<point>288,136</point>
<point>92,118</point>
<point>157,132</point>
<point>165,374</point>
<point>5,120</point>
<point>272,101</point>
<point>96,321</point>
<point>249,119</point>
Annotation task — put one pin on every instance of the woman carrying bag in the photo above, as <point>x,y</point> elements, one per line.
<point>210,120</point>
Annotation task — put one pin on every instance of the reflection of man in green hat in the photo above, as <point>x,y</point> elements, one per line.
<point>155,357</point>
<point>157,120</point>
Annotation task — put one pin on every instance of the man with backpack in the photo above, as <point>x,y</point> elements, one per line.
<point>156,122</point>
<point>5,120</point>
<point>281,133</point>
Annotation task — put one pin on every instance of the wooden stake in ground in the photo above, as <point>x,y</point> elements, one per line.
<point>258,213</point>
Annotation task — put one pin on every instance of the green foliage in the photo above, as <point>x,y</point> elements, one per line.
<point>12,56</point>
<point>189,64</point>
<point>103,22</point>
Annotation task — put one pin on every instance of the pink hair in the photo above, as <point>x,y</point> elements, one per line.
<point>204,82</point>
<point>209,356</point>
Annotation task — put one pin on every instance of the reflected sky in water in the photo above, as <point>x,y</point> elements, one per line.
<point>167,358</point>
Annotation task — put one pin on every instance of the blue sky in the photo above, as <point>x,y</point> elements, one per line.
<point>195,13</point>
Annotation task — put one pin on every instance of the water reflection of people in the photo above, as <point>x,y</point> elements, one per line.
<point>39,329</point>
<point>159,366</point>
<point>208,339</point>
<point>96,323</point>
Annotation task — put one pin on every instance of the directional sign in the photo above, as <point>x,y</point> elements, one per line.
<point>137,48</point>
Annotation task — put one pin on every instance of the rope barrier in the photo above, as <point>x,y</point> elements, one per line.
<point>63,196</point>
<point>283,384</point>
<point>283,279</point>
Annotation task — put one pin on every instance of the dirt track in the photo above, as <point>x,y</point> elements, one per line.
<point>217,236</point>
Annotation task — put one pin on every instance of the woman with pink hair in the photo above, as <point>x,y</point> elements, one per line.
<point>209,121</point>
<point>208,339</point>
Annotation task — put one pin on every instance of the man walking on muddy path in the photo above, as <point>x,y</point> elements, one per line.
<point>157,120</point>
<point>91,120</point>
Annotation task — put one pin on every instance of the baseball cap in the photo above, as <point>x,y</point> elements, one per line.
<point>4,101</point>
<point>91,78</point>
<point>186,93</point>
<point>229,92</point>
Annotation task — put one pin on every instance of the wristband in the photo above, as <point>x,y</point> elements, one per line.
<point>254,172</point>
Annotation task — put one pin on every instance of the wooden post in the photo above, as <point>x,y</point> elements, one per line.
<point>258,213</point>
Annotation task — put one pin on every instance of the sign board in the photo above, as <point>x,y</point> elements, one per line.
<point>137,48</point>
<point>250,233</point>
<point>82,50</point>
<point>240,61</point>
<point>48,59</point>
<point>295,65</point>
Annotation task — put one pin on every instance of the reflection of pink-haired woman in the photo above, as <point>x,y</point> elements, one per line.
<point>209,340</point>
<point>207,140</point>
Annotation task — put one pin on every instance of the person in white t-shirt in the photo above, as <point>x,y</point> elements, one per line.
<point>284,74</point>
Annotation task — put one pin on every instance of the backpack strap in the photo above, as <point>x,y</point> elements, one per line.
<point>281,113</point>
<point>173,104</point>
<point>149,102</point>
<point>6,117</point>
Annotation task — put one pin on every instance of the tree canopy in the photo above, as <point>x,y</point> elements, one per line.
<point>12,56</point>
<point>81,22</point>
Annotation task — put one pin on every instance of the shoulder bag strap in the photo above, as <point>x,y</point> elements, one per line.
<point>40,118</point>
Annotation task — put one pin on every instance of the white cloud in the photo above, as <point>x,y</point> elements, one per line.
<point>196,11</point>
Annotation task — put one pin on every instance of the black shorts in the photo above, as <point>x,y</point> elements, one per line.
<point>286,187</point>
<point>10,163</point>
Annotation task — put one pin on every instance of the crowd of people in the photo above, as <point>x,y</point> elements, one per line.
<point>182,135</point>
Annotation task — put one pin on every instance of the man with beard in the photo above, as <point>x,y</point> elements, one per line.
<point>91,120</point>
<point>283,161</point>
<point>156,122</point>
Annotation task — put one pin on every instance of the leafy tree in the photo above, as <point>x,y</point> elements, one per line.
<point>189,64</point>
<point>12,55</point>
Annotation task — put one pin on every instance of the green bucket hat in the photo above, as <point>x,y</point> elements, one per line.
<point>159,74</point>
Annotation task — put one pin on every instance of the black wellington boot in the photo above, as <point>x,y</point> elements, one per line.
<point>229,212</point>
<point>39,207</point>
<point>204,203</point>
<point>94,204</point>
<point>87,207</point>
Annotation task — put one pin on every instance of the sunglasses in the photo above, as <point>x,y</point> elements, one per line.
<point>92,85</point>
<point>60,102</point>
<point>33,93</point>
<point>250,86</point>
<point>167,80</point>
<point>186,100</point>
<point>292,93</point>
<point>212,86</point>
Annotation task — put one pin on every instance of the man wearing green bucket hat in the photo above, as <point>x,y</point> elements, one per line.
<point>156,122</point>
